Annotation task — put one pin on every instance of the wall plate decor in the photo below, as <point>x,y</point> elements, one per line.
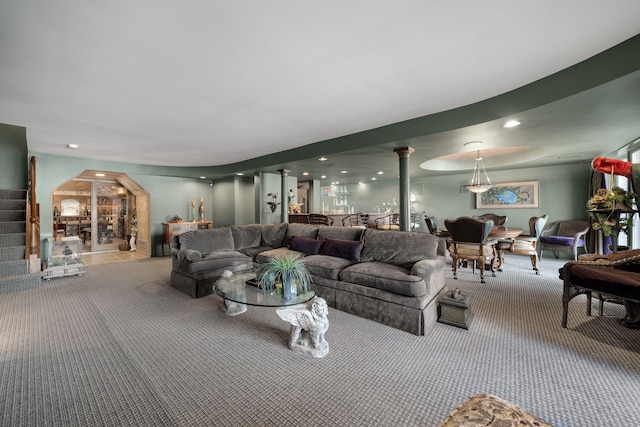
<point>516,194</point>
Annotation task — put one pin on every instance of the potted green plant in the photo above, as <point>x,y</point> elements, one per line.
<point>288,271</point>
<point>607,205</point>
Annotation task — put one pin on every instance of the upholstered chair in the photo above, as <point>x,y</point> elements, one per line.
<point>564,236</point>
<point>525,244</point>
<point>469,241</point>
<point>497,219</point>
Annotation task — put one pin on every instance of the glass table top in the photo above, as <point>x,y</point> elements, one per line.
<point>237,289</point>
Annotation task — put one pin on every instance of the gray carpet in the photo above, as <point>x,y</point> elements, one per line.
<point>119,347</point>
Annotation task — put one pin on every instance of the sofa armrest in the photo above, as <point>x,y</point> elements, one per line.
<point>442,247</point>
<point>427,267</point>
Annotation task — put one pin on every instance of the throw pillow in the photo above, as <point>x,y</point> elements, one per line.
<point>347,249</point>
<point>306,245</point>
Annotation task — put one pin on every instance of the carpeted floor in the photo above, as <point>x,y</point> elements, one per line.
<point>119,347</point>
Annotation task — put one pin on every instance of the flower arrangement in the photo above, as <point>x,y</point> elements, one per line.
<point>606,206</point>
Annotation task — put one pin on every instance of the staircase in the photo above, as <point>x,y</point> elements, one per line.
<point>14,268</point>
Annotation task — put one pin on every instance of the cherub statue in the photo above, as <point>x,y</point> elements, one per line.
<point>308,326</point>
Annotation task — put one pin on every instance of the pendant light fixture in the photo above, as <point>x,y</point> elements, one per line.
<point>475,185</point>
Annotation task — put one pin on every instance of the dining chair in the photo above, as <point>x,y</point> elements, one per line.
<point>359,220</point>
<point>497,219</point>
<point>388,222</point>
<point>319,219</point>
<point>469,241</point>
<point>525,244</point>
<point>432,224</point>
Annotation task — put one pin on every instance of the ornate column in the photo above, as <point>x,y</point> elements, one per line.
<point>405,213</point>
<point>284,201</point>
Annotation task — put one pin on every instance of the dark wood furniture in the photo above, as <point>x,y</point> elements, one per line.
<point>616,275</point>
<point>469,240</point>
<point>319,219</point>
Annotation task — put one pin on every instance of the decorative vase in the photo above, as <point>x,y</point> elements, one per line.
<point>286,289</point>
<point>132,243</point>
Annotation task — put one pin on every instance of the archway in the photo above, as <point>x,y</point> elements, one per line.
<point>98,209</point>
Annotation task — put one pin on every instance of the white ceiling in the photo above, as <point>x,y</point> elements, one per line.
<point>206,83</point>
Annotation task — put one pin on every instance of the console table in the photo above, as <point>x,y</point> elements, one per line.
<point>173,228</point>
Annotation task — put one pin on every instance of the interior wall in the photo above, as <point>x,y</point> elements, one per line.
<point>224,202</point>
<point>563,194</point>
<point>14,163</point>
<point>169,196</point>
<point>245,201</point>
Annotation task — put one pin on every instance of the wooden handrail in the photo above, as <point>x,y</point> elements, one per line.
<point>33,227</point>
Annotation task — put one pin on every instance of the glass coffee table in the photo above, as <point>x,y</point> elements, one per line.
<point>307,313</point>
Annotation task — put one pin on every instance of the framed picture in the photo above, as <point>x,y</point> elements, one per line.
<point>517,194</point>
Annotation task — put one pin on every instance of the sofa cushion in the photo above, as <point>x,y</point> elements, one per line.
<point>613,281</point>
<point>218,259</point>
<point>402,248</point>
<point>347,249</point>
<point>207,240</point>
<point>302,230</point>
<point>305,245</point>
<point>253,251</point>
<point>273,234</point>
<point>246,236</point>
<point>264,257</point>
<point>328,267</point>
<point>386,277</point>
<point>326,232</point>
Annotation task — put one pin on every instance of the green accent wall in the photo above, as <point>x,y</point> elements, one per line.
<point>14,163</point>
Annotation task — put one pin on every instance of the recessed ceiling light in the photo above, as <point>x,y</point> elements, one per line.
<point>374,178</point>
<point>324,177</point>
<point>343,171</point>
<point>360,183</point>
<point>203,177</point>
<point>72,146</point>
<point>99,174</point>
<point>323,159</point>
<point>380,173</point>
<point>511,124</point>
<point>305,173</point>
<point>239,174</point>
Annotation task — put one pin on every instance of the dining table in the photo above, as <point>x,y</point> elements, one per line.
<point>503,234</point>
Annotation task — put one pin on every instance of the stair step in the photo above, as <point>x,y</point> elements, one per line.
<point>20,282</point>
<point>10,227</point>
<point>12,253</point>
<point>13,239</point>
<point>13,215</point>
<point>13,194</point>
<point>13,204</point>
<point>13,268</point>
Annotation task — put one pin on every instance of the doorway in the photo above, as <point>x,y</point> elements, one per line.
<point>97,206</point>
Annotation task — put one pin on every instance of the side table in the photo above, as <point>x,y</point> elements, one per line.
<point>455,309</point>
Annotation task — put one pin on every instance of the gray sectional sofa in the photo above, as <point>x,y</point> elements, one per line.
<point>393,277</point>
